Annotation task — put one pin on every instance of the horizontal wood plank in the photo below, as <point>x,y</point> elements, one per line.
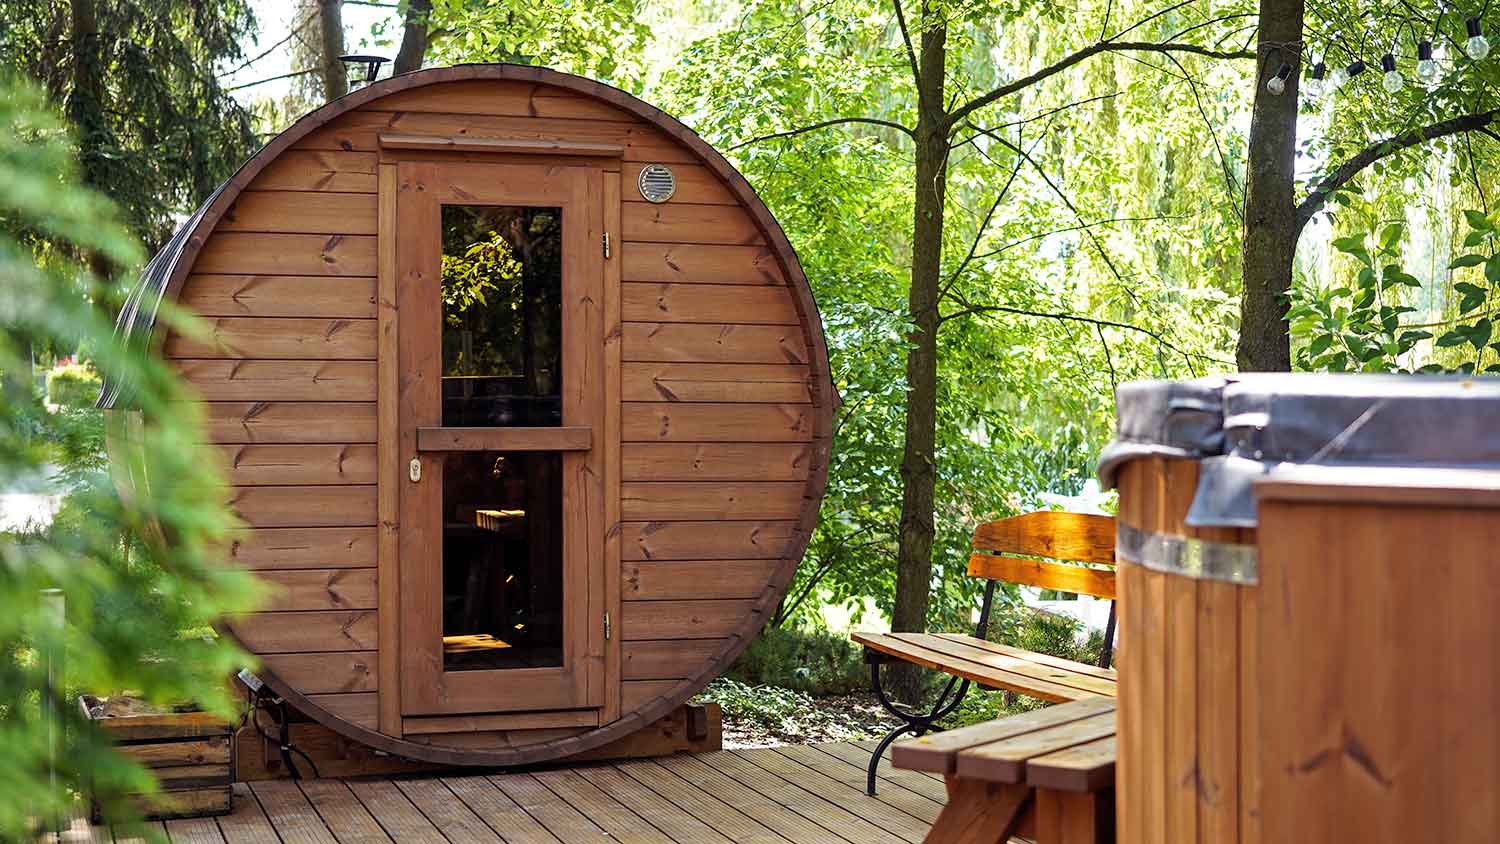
<point>304,506</point>
<point>1005,760</point>
<point>250,253</point>
<point>716,303</point>
<point>683,422</point>
<point>279,296</point>
<point>319,170</point>
<point>712,343</point>
<point>291,381</point>
<point>458,143</point>
<point>282,465</point>
<point>680,222</point>
<point>938,752</point>
<point>682,501</point>
<point>302,548</point>
<point>699,264</point>
<point>323,673</point>
<point>307,632</point>
<point>320,589</point>
<point>716,382</point>
<point>513,98</point>
<point>667,660</point>
<point>505,439</point>
<point>272,338</point>
<point>715,461</point>
<point>687,579</point>
<point>682,619</point>
<point>444,724</point>
<point>707,540</point>
<point>1080,537</point>
<point>695,184</point>
<point>289,422</point>
<point>1077,580</point>
<point>357,708</point>
<point>635,694</point>
<point>360,130</point>
<point>300,212</point>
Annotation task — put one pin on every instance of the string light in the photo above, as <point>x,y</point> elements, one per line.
<point>1317,84</point>
<point>1277,83</point>
<point>1392,81</point>
<point>1477,47</point>
<point>1427,67</point>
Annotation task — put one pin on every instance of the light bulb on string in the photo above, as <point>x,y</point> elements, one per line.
<point>1277,83</point>
<point>1477,47</point>
<point>1317,84</point>
<point>1392,80</point>
<point>1343,75</point>
<point>1427,67</point>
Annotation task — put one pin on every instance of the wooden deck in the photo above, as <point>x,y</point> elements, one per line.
<point>812,794</point>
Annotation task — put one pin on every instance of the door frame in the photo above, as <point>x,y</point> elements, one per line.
<point>413,186</point>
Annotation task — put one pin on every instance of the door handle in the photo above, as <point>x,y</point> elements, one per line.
<point>414,469</point>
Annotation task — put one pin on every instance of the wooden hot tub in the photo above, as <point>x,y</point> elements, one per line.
<point>1309,647</point>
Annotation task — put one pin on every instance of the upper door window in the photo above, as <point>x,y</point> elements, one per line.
<point>502,316</point>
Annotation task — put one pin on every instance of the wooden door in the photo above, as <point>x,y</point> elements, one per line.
<point>500,274</point>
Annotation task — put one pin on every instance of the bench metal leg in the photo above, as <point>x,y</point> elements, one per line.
<point>913,723</point>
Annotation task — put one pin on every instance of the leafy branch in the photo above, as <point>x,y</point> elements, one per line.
<point>1478,121</point>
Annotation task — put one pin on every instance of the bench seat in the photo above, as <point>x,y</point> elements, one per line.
<point>995,666</point>
<point>1048,774</point>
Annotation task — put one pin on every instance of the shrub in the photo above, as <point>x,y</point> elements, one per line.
<point>817,662</point>
<point>74,385</point>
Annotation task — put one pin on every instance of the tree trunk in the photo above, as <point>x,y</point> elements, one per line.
<point>1270,208</point>
<point>415,38</point>
<point>85,106</point>
<point>86,99</point>
<point>330,67</point>
<point>918,462</point>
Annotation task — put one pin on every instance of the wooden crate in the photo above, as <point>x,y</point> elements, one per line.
<point>190,753</point>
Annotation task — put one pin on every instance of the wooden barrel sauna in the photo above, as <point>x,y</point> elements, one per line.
<point>525,405</point>
<point>1328,672</point>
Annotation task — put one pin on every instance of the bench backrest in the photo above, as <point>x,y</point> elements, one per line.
<point>1071,537</point>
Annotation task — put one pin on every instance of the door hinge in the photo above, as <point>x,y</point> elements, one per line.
<point>606,244</point>
<point>606,626</point>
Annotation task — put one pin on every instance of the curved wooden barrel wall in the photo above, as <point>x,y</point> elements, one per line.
<point>724,422</point>
<point>1189,706</point>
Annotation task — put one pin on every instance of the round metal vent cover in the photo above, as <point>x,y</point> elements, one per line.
<point>657,183</point>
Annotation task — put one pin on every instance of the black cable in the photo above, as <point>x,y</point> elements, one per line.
<point>277,709</point>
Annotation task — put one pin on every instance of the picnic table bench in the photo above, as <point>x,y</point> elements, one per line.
<point>1065,552</point>
<point>1047,775</point>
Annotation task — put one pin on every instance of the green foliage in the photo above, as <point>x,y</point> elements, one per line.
<point>1357,326</point>
<point>138,78</point>
<point>803,659</point>
<point>76,385</point>
<point>601,40</point>
<point>127,602</point>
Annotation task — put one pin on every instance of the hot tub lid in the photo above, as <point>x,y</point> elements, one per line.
<point>1251,426</point>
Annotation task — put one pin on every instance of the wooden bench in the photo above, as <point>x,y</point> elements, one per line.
<point>1047,775</point>
<point>1080,553</point>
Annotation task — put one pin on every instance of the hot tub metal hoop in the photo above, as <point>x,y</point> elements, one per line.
<point>1187,556</point>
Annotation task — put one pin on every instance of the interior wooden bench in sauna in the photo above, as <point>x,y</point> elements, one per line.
<point>1064,552</point>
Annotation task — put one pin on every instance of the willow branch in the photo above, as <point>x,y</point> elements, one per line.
<point>873,121</point>
<point>1380,149</point>
<point>1066,62</point>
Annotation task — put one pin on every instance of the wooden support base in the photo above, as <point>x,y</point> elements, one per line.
<point>691,728</point>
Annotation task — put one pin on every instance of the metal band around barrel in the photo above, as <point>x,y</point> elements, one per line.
<point>1183,555</point>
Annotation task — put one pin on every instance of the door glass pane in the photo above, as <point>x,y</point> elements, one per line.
<point>502,560</point>
<point>502,316</point>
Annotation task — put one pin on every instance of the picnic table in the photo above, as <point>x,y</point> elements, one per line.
<point>1048,775</point>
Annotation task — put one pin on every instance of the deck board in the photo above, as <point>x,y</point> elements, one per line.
<point>809,794</point>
